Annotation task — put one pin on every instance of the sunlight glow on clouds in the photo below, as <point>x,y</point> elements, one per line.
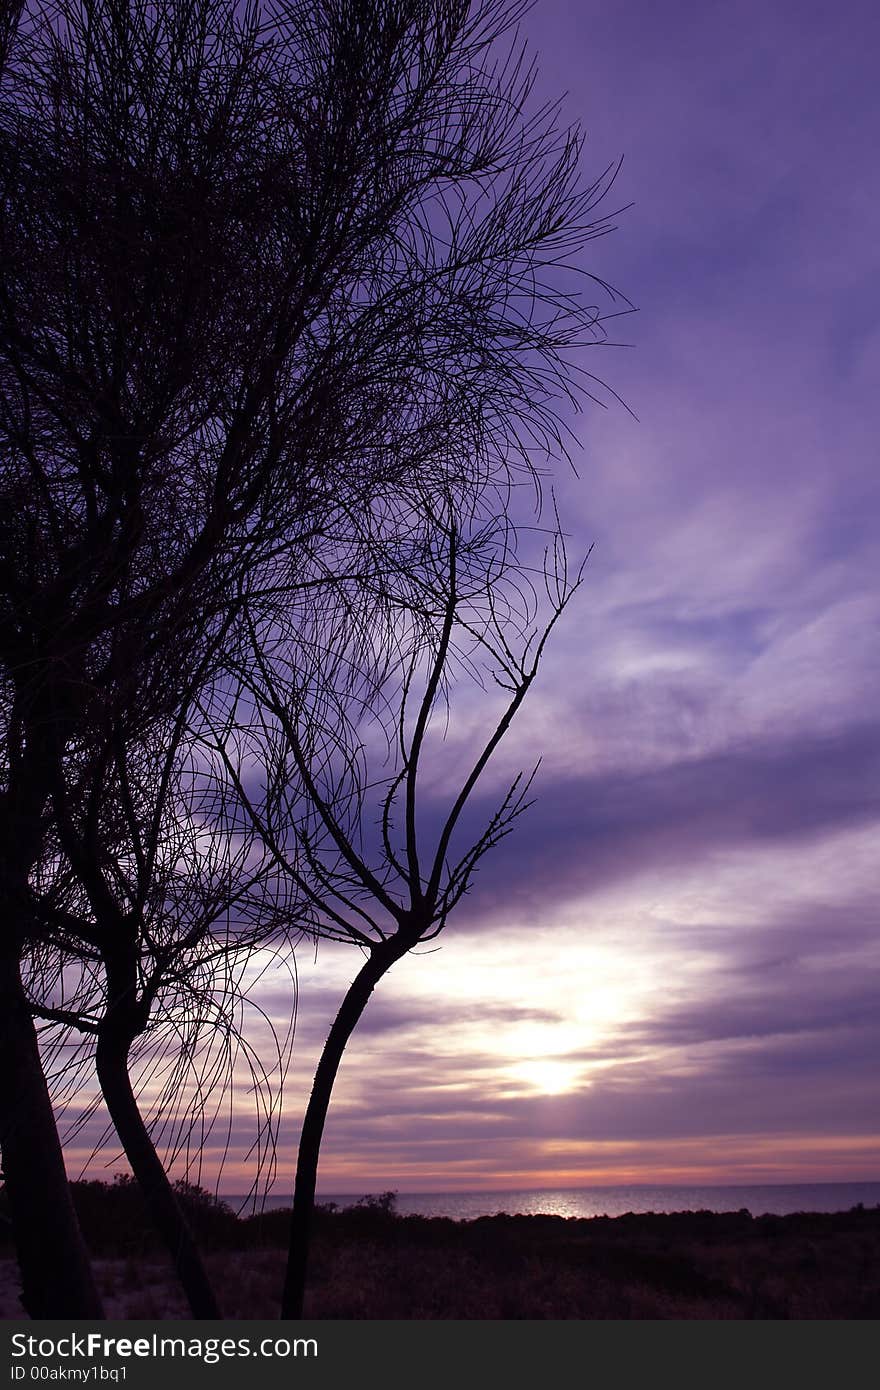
<point>670,971</point>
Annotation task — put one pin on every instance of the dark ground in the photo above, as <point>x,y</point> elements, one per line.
<point>368,1262</point>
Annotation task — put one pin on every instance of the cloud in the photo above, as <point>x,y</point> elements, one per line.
<point>688,916</point>
<point>588,831</point>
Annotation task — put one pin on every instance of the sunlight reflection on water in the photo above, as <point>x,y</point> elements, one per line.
<point>778,1199</point>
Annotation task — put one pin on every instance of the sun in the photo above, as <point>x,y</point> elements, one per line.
<point>550,1076</point>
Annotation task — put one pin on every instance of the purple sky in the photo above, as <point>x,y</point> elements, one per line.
<point>671,972</point>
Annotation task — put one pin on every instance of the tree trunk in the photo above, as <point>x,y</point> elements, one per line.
<point>380,960</point>
<point>112,1065</point>
<point>56,1272</point>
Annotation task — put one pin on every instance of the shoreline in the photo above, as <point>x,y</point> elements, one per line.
<point>775,1199</point>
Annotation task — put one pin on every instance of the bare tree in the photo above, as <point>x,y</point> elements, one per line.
<point>264,273</point>
<point>147,900</point>
<point>10,13</point>
<point>132,467</point>
<point>344,747</point>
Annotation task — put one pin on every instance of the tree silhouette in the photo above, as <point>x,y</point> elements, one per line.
<point>147,901</point>
<point>343,748</point>
<point>269,275</point>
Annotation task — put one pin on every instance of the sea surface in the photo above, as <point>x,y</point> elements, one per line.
<point>778,1199</point>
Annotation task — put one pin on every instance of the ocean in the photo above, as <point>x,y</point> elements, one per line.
<point>778,1199</point>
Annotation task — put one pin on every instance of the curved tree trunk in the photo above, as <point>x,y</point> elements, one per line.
<point>56,1272</point>
<point>111,1060</point>
<point>380,960</point>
